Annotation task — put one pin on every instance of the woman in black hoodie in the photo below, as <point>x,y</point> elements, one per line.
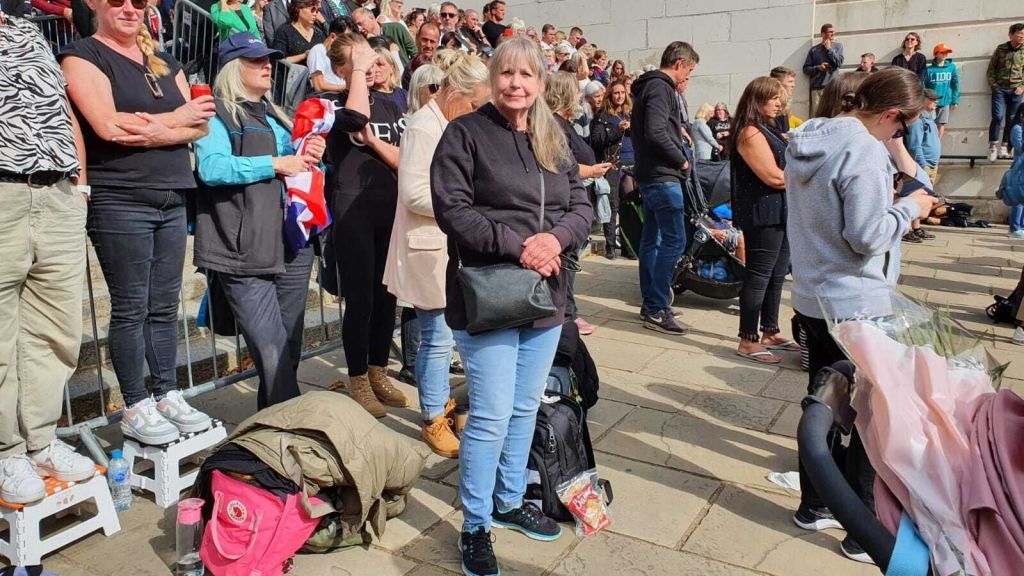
<point>488,176</point>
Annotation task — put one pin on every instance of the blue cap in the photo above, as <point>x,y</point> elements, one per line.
<point>245,45</point>
<point>116,454</point>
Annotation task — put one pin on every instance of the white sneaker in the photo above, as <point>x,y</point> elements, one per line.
<point>1004,152</point>
<point>177,411</point>
<point>62,462</point>
<point>1018,336</point>
<point>144,423</point>
<point>19,483</point>
<point>993,152</point>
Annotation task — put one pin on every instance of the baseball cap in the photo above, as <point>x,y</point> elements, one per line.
<point>245,45</point>
<point>942,49</point>
<point>931,94</point>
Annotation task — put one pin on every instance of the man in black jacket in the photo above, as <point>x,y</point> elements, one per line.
<point>823,62</point>
<point>661,169</point>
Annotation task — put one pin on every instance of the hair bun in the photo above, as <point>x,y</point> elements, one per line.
<point>848,101</point>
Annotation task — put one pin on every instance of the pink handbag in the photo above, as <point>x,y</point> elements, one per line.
<point>251,532</point>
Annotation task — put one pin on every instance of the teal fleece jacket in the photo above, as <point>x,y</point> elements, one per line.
<point>944,80</point>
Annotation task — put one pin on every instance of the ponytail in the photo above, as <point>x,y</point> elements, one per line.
<point>148,46</point>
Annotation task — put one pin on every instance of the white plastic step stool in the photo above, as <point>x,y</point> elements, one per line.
<point>25,546</point>
<point>167,481</point>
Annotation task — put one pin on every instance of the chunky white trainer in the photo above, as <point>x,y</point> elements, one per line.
<point>19,483</point>
<point>143,422</point>
<point>62,462</point>
<point>177,411</point>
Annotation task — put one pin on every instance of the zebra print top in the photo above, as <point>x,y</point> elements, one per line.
<point>35,118</point>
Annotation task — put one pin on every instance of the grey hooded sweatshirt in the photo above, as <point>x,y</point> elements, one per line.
<point>844,230</point>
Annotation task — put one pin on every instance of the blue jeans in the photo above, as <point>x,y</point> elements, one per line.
<point>1017,217</point>
<point>139,237</point>
<point>506,371</point>
<point>1004,108</point>
<point>662,242</point>
<point>433,359</point>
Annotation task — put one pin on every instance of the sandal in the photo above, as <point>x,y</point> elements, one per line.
<point>787,346</point>
<point>761,357</point>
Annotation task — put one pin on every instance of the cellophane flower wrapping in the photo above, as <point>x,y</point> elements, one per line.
<point>920,377</point>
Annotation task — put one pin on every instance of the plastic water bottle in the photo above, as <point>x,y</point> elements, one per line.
<point>188,538</point>
<point>119,478</point>
<point>721,273</point>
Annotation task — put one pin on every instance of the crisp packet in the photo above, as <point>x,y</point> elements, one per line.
<point>585,499</point>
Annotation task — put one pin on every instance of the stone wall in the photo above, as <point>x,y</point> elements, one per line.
<point>740,39</point>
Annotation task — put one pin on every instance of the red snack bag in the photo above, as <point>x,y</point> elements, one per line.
<point>585,500</point>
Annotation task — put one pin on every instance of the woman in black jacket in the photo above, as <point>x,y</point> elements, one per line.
<point>490,171</point>
<point>609,136</point>
<point>910,56</point>
<point>759,209</point>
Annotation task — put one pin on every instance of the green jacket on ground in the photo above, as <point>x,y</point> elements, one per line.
<point>399,34</point>
<point>1006,68</point>
<point>328,444</point>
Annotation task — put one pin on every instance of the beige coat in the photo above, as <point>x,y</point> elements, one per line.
<point>418,252</point>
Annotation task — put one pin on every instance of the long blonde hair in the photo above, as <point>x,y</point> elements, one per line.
<point>148,47</point>
<point>229,89</point>
<point>563,95</point>
<point>384,55</point>
<point>464,73</point>
<point>546,136</point>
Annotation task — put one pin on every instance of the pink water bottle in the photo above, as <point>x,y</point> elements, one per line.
<point>188,538</point>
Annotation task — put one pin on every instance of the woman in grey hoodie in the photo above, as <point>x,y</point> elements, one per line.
<point>844,230</point>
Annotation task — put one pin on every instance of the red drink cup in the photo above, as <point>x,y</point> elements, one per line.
<point>201,90</point>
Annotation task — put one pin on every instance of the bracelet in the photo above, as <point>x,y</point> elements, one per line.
<point>84,189</point>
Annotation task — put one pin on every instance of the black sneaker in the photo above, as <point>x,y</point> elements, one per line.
<point>911,237</point>
<point>529,520</point>
<point>853,551</point>
<point>408,376</point>
<point>664,321</point>
<point>456,367</point>
<point>815,518</point>
<point>478,553</point>
<point>924,234</point>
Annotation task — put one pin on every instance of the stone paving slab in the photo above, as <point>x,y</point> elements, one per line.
<point>613,555</point>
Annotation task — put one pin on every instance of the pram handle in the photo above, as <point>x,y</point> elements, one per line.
<point>860,522</point>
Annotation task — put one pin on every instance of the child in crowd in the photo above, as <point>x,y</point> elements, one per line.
<point>923,137</point>
<point>942,77</point>
<point>867,63</point>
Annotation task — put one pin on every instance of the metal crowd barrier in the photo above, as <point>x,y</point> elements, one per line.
<point>57,31</point>
<point>194,41</point>
<point>98,414</point>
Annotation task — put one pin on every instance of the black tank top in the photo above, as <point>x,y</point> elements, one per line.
<point>114,165</point>
<point>754,203</point>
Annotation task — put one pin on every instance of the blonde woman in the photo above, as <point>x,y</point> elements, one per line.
<point>138,123</point>
<point>486,185</point>
<point>265,284</point>
<point>387,81</point>
<point>417,255</point>
<point>391,11</point>
<point>423,86</point>
<point>705,145</point>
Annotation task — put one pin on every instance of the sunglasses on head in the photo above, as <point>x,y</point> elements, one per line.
<point>137,4</point>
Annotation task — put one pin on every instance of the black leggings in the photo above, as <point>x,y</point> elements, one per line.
<point>767,264</point>
<point>823,351</point>
<point>361,248</point>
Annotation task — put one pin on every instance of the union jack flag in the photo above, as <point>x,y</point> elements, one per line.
<point>306,213</point>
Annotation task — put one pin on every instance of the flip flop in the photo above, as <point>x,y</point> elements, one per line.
<point>757,356</point>
<point>788,346</point>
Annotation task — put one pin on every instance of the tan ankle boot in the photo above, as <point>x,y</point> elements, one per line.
<point>439,437</point>
<point>384,389</point>
<point>361,391</point>
<point>456,420</point>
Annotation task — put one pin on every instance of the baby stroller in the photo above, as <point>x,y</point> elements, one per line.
<point>709,266</point>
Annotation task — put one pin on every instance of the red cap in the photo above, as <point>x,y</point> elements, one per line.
<point>942,49</point>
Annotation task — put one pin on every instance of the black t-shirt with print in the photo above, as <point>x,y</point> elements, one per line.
<point>358,179</point>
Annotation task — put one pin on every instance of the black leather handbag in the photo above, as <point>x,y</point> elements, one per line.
<point>505,295</point>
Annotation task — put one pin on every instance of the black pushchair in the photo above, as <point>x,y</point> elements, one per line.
<point>708,267</point>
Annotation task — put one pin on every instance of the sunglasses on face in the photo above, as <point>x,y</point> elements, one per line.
<point>449,15</point>
<point>903,127</point>
<point>137,4</point>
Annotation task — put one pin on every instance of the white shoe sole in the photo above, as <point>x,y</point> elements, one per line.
<point>66,477</point>
<point>860,557</point>
<point>23,498</point>
<point>819,525</point>
<point>189,428</point>
<point>151,440</point>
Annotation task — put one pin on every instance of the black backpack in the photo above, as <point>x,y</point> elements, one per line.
<point>1004,309</point>
<point>561,449</point>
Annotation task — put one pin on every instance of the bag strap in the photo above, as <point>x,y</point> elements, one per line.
<point>254,529</point>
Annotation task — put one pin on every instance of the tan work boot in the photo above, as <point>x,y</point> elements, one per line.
<point>384,389</point>
<point>456,419</point>
<point>439,437</point>
<point>361,392</point>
